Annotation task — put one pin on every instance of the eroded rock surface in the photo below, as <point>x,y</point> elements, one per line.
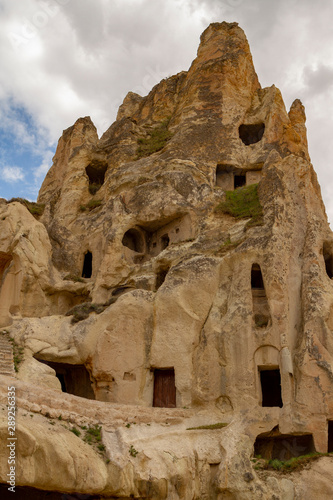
<point>180,315</point>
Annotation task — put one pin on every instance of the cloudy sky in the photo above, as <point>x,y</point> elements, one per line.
<point>62,59</point>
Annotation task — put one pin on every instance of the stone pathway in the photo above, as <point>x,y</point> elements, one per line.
<point>6,356</point>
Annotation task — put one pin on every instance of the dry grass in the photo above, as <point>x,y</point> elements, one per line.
<point>155,141</point>
<point>243,203</point>
<point>36,209</point>
<point>219,425</point>
<point>91,205</point>
<point>295,463</point>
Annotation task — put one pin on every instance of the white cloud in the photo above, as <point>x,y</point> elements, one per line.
<point>319,79</point>
<point>41,170</point>
<point>12,174</point>
<point>87,57</point>
<point>62,59</point>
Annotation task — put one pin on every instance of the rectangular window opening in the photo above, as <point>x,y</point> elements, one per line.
<point>270,387</point>
<point>239,181</point>
<point>330,436</point>
<point>257,281</point>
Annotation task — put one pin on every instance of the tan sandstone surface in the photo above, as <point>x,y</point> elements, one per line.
<point>184,315</point>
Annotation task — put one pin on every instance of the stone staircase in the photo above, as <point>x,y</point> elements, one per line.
<point>6,356</point>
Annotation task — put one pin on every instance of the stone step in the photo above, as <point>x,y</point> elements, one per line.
<point>7,371</point>
<point>6,362</point>
<point>5,368</point>
<point>6,351</point>
<point>6,356</point>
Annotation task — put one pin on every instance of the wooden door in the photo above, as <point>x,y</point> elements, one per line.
<point>164,389</point>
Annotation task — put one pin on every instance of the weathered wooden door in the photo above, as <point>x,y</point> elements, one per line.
<point>164,389</point>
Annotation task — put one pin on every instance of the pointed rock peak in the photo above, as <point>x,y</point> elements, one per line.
<point>297,112</point>
<point>297,119</point>
<point>129,106</point>
<point>218,28</point>
<point>86,121</point>
<point>224,49</point>
<point>82,126</point>
<point>222,38</point>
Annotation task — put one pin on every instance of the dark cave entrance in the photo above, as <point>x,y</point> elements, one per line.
<point>261,312</point>
<point>5,260</point>
<point>328,258</point>
<point>257,281</point>
<point>274,445</point>
<point>87,265</point>
<point>250,134</point>
<point>96,175</point>
<point>165,240</point>
<point>270,387</point>
<point>134,240</point>
<point>330,437</point>
<point>164,388</point>
<point>61,378</point>
<point>239,181</point>
<point>74,379</point>
<point>160,277</point>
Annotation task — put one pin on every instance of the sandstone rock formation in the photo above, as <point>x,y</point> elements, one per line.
<point>180,314</point>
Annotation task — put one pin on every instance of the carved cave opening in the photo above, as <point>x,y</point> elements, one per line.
<point>261,320</point>
<point>274,445</point>
<point>27,493</point>
<point>328,258</point>
<point>165,240</point>
<point>230,177</point>
<point>270,380</point>
<point>155,236</point>
<point>96,175</point>
<point>5,260</point>
<point>164,388</point>
<point>250,134</point>
<point>219,175</point>
<point>222,174</point>
<point>74,379</point>
<point>87,265</point>
<point>160,277</point>
<point>239,181</point>
<point>261,312</point>
<point>134,240</point>
<point>214,481</point>
<point>330,437</point>
<point>257,281</point>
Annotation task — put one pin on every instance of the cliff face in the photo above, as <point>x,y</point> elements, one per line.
<point>189,246</point>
